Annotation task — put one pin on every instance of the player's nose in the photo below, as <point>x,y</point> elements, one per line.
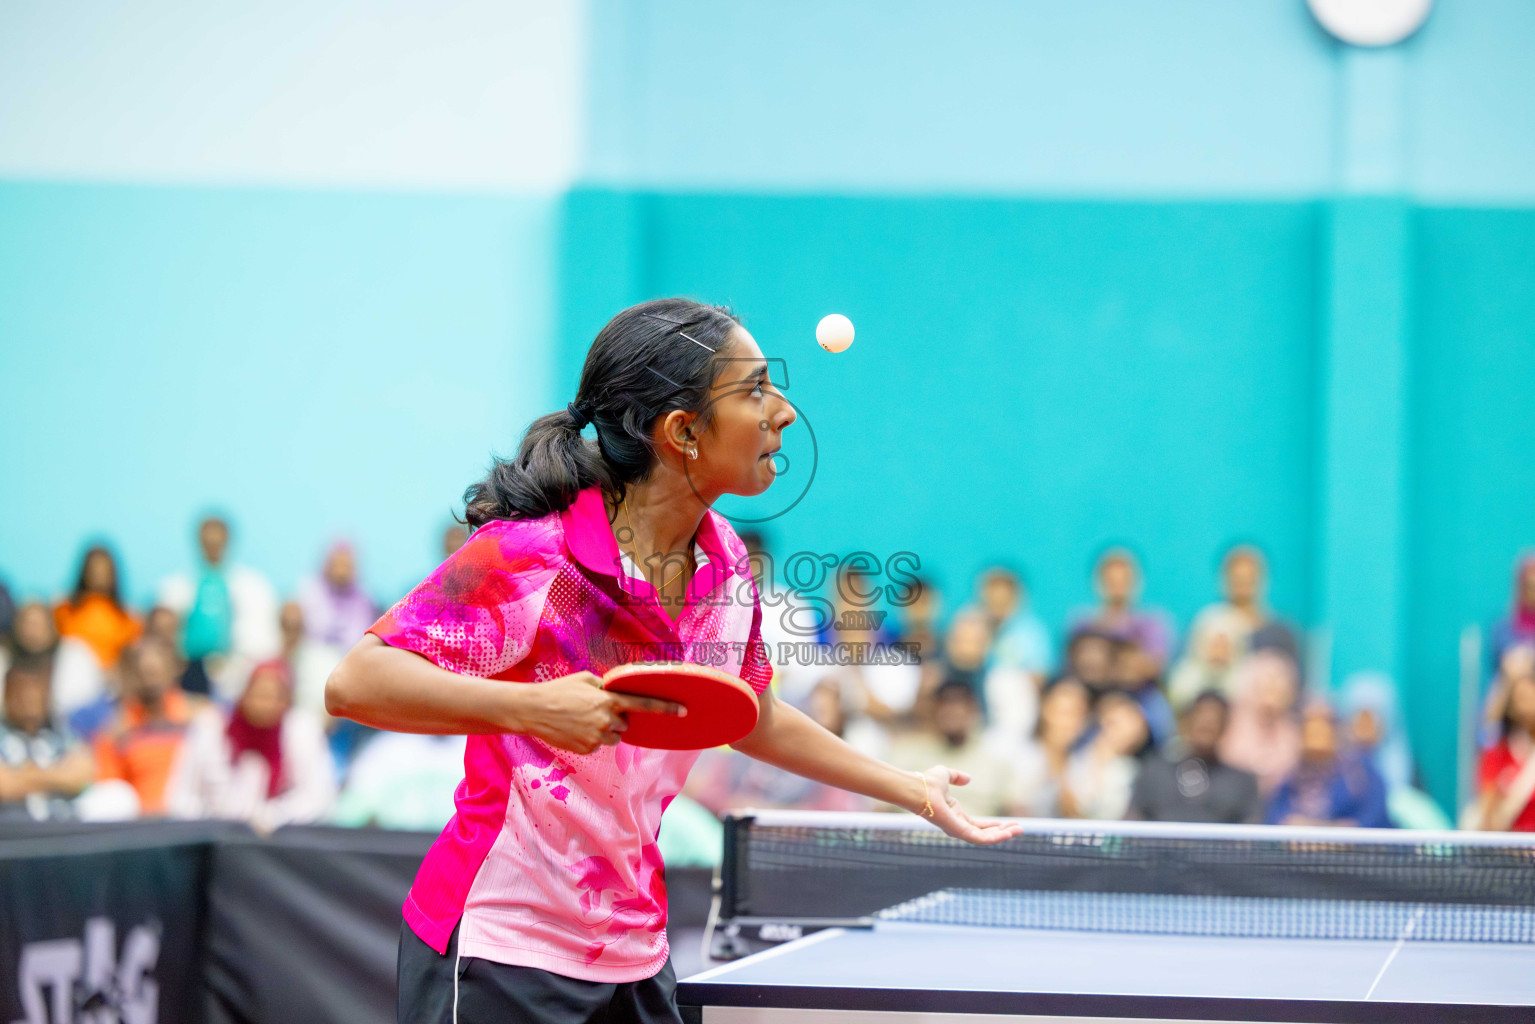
<point>783,414</point>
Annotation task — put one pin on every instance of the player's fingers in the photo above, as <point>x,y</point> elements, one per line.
<point>984,832</point>
<point>629,702</point>
<point>958,778</point>
<point>1004,829</point>
<point>617,722</point>
<point>967,830</point>
<point>589,678</point>
<point>611,739</point>
<point>962,814</point>
<point>988,837</point>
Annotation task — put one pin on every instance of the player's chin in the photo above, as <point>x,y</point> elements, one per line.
<point>759,478</point>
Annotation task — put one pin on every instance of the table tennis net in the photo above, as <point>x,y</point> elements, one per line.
<point>1230,916</point>
<point>1134,877</point>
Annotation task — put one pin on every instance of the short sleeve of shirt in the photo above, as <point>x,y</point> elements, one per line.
<point>478,613</point>
<point>756,667</point>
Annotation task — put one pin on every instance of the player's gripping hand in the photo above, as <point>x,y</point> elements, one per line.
<point>575,713</point>
<point>942,809</point>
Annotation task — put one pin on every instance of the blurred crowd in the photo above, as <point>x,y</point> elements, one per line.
<point>1114,715</point>
<point>210,703</point>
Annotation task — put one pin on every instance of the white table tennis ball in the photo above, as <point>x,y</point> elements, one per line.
<point>834,332</point>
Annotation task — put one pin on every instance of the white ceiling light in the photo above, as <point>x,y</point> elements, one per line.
<point>1371,22</point>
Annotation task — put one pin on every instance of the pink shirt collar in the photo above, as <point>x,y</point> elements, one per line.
<point>590,539</point>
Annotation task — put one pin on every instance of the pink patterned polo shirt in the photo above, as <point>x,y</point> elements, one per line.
<point>550,860</point>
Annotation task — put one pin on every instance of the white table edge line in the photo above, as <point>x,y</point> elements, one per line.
<point>766,954</point>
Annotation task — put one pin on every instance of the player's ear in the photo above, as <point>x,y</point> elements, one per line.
<point>679,430</point>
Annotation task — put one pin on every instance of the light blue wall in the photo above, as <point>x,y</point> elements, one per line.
<point>1118,97</point>
<point>1188,98</point>
<point>318,363</point>
<point>1471,127</point>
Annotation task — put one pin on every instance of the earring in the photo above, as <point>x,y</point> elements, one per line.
<point>692,453</point>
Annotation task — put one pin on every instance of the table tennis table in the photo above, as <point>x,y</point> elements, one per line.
<point>1050,955</point>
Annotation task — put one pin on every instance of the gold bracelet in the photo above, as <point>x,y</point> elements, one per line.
<point>927,796</point>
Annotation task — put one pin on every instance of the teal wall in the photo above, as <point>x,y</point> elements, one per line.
<point>1362,402</point>
<point>319,363</point>
<point>1184,269</point>
<point>1031,381</point>
<point>1472,461</point>
<point>1344,383</point>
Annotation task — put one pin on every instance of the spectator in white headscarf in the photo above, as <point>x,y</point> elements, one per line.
<point>263,762</point>
<point>1374,728</point>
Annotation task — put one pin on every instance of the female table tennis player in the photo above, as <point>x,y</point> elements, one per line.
<point>543,899</point>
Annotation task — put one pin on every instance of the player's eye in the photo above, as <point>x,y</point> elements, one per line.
<point>758,389</point>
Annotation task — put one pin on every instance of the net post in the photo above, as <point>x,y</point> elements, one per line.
<point>1468,715</point>
<point>734,892</point>
<point>722,938</point>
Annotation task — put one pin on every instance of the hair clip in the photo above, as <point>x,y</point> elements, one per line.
<point>663,376</point>
<point>679,323</point>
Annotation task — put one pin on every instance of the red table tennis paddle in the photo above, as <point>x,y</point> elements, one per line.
<point>721,707</point>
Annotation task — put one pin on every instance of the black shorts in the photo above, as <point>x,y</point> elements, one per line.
<point>487,992</point>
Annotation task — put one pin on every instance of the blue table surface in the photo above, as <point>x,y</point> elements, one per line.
<point>930,957</point>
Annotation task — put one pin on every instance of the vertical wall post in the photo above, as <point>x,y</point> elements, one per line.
<point>1363,384</point>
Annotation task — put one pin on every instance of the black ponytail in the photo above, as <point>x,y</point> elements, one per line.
<point>648,360</point>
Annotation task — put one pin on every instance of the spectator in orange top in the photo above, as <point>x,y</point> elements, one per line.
<point>94,613</point>
<point>141,744</point>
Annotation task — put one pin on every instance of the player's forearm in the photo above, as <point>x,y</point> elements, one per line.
<point>389,688</point>
<point>791,740</point>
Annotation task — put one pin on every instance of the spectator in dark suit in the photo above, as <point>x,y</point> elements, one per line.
<point>1188,781</point>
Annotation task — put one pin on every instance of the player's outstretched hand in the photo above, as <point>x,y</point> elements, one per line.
<point>575,713</point>
<point>952,818</point>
